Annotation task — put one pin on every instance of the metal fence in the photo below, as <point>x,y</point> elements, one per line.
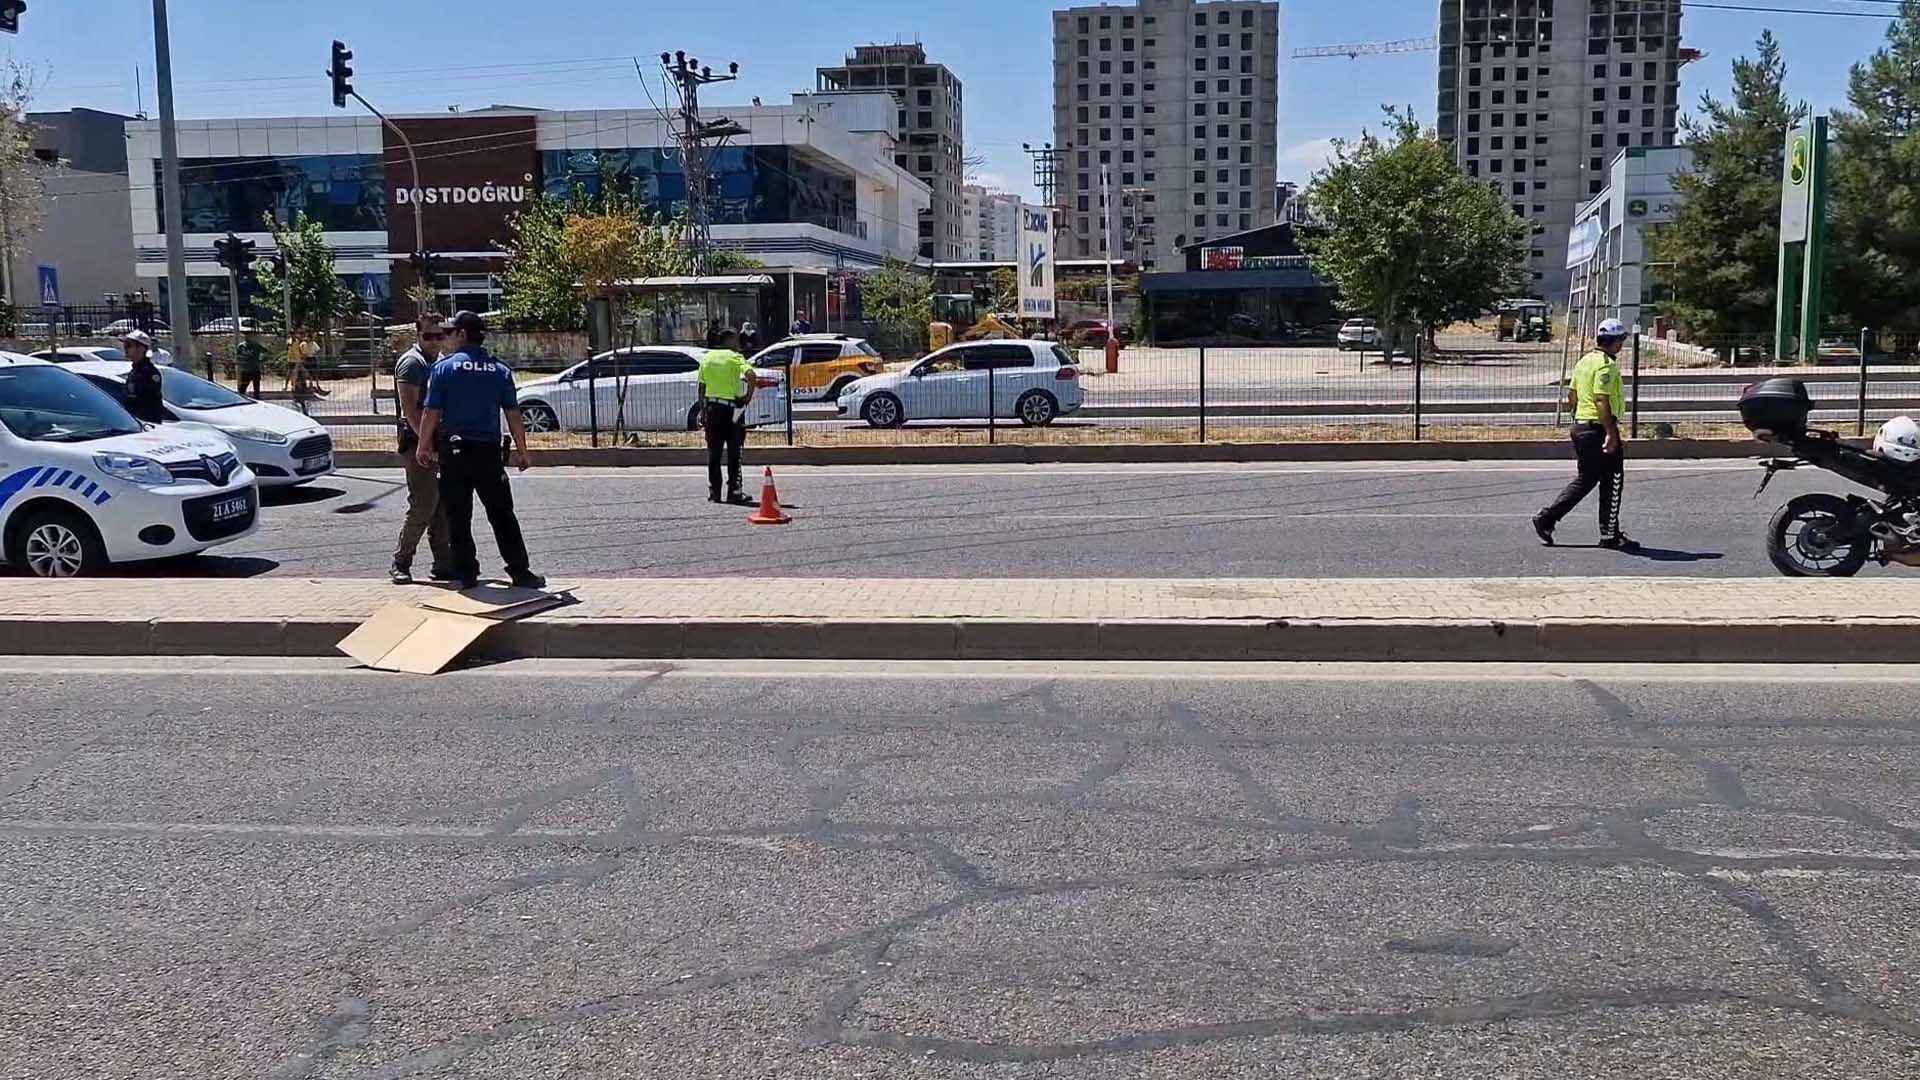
<point>1471,387</point>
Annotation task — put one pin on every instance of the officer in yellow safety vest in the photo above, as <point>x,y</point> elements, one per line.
<point>1598,399</point>
<point>726,386</point>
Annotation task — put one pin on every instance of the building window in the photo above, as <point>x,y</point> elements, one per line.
<point>1223,108</point>
<point>1246,87</point>
<point>1221,220</point>
<point>1106,44</point>
<point>1222,86</point>
<point>1106,67</point>
<point>1223,41</point>
<point>1106,112</point>
<point>1199,198</point>
<point>1199,86</point>
<point>1199,41</point>
<point>1220,176</point>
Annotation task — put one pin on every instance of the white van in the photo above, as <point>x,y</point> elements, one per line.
<point>84,484</point>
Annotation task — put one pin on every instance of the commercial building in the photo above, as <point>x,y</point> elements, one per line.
<point>930,114</point>
<point>1617,281</point>
<point>990,225</point>
<point>1538,95</point>
<point>1178,100</point>
<point>84,235</point>
<point>1251,288</point>
<point>798,189</point>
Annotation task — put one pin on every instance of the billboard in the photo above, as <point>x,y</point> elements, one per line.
<point>1222,258</point>
<point>475,172</point>
<point>1583,241</point>
<point>1036,262</point>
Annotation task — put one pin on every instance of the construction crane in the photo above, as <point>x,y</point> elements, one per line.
<point>1372,48</point>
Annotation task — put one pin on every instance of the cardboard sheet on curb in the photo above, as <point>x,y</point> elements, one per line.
<point>425,637</point>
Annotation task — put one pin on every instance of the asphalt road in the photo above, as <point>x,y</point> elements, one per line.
<point>1238,520</point>
<point>279,870</point>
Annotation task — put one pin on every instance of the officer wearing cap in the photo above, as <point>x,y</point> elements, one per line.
<point>460,426</point>
<point>726,387</point>
<point>1597,398</point>
<point>143,382</point>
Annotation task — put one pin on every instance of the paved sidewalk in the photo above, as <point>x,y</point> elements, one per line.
<point>1612,619</point>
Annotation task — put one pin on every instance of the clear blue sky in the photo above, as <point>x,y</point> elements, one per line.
<point>267,57</point>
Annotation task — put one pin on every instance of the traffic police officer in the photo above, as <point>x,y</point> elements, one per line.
<point>143,382</point>
<point>1597,399</point>
<point>466,395</point>
<point>726,386</point>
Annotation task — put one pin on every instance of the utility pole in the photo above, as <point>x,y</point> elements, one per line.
<point>688,76</point>
<point>179,315</point>
<point>1046,166</point>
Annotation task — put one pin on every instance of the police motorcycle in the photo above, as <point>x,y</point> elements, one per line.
<point>1825,535</point>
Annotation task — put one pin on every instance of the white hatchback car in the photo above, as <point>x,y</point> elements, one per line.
<point>83,484</point>
<point>282,446</point>
<point>1033,382</point>
<point>1357,334</point>
<point>643,388</point>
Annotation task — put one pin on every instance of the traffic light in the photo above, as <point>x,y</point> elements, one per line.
<point>234,253</point>
<point>341,72</point>
<point>10,15</point>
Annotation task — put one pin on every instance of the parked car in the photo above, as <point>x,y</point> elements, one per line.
<point>69,354</point>
<point>282,446</point>
<point>642,388</point>
<point>820,366</point>
<point>1032,381</point>
<point>1357,334</point>
<point>225,325</point>
<point>85,484</point>
<point>120,326</point>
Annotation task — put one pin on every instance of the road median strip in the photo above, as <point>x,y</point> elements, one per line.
<point>1489,619</point>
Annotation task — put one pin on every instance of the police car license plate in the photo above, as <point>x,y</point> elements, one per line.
<point>312,463</point>
<point>228,509</point>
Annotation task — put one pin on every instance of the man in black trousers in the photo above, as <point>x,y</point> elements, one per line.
<point>460,425</point>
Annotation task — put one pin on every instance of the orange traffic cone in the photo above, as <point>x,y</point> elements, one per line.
<point>769,512</point>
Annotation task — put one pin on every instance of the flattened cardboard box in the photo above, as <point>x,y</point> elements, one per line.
<point>424,638</point>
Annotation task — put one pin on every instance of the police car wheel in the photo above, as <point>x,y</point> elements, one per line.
<point>539,418</point>
<point>57,543</point>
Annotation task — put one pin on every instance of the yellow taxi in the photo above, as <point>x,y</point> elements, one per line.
<point>821,365</point>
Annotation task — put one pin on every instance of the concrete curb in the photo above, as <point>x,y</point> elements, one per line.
<point>1559,641</point>
<point>1115,453</point>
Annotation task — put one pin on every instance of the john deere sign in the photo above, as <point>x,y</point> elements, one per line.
<point>1803,212</point>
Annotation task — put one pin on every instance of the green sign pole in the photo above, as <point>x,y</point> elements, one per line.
<point>1812,312</point>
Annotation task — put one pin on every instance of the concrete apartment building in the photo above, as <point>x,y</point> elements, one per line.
<point>990,225</point>
<point>84,232</point>
<point>931,147</point>
<point>1179,100</point>
<point>1539,96</point>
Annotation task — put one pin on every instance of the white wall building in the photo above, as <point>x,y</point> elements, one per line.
<point>991,225</point>
<point>797,189</point>
<point>1618,282</point>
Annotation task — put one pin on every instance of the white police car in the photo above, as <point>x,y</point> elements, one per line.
<point>83,484</point>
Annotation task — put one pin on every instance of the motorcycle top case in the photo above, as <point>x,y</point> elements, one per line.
<point>1776,406</point>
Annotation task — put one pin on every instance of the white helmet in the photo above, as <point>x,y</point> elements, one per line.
<point>1611,329</point>
<point>1898,440</point>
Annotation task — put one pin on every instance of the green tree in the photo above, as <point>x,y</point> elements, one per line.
<point>1723,245</point>
<point>1875,249</point>
<point>1410,237</point>
<point>898,301</point>
<point>558,246</point>
<point>313,289</point>
<point>22,175</point>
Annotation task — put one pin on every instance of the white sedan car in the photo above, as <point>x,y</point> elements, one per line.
<point>282,446</point>
<point>1031,381</point>
<point>644,388</point>
<point>67,354</point>
<point>85,484</point>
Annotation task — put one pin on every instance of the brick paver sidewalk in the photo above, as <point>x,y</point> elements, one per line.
<point>1365,600</point>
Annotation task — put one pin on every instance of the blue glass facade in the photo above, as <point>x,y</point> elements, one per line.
<point>753,185</point>
<point>344,192</point>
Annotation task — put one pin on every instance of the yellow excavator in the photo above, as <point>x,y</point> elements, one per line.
<point>961,309</point>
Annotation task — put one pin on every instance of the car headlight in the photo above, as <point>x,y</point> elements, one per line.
<point>259,435</point>
<point>132,468</point>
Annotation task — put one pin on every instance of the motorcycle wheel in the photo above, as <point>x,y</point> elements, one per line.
<point>1800,541</point>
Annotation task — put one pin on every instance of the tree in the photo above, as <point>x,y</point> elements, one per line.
<point>1006,289</point>
<point>22,175</point>
<point>558,246</point>
<point>1723,245</point>
<point>1410,237</point>
<point>539,278</point>
<point>898,301</point>
<point>312,288</point>
<point>1875,253</point>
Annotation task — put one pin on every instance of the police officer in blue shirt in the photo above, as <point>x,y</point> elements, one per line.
<point>460,425</point>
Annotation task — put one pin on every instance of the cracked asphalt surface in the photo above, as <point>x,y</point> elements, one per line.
<point>214,868</point>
